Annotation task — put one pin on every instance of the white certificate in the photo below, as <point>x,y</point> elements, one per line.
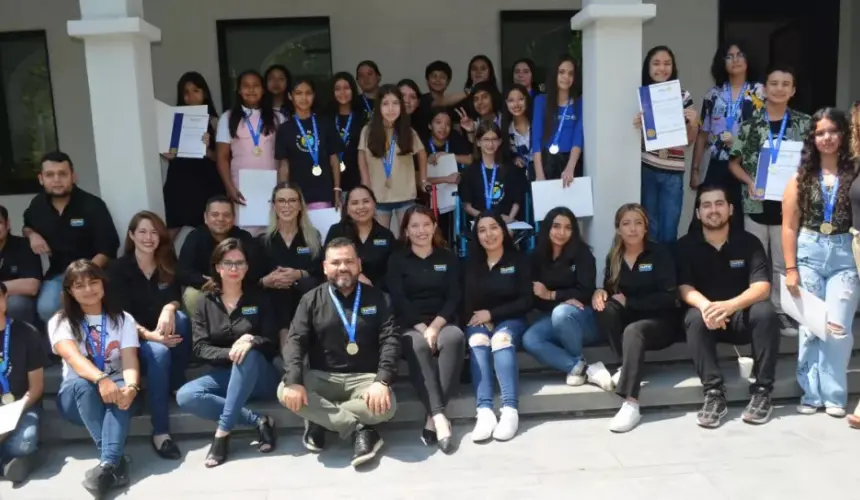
<point>9,416</point>
<point>772,177</point>
<point>547,195</point>
<point>256,186</point>
<point>808,310</point>
<point>446,194</point>
<point>323,219</point>
<point>663,122</point>
<point>181,129</point>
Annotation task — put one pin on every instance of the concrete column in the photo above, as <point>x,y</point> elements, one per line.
<point>611,73</point>
<point>119,71</point>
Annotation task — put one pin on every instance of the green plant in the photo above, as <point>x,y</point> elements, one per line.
<point>574,48</point>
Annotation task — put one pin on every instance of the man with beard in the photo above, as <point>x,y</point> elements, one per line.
<point>66,223</point>
<point>725,279</point>
<point>347,331</point>
<point>20,272</point>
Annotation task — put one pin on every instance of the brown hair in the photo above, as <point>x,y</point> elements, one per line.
<point>165,257</point>
<point>376,137</point>
<point>438,240</point>
<point>615,259</point>
<point>71,311</point>
<point>222,249</point>
<point>855,130</point>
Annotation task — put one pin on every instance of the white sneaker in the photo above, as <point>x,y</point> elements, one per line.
<point>835,411</point>
<point>508,424</point>
<point>626,419</point>
<point>616,377</point>
<point>576,377</point>
<point>806,410</point>
<point>598,375</point>
<point>485,425</point>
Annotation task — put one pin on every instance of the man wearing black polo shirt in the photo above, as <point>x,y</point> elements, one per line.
<point>347,331</point>
<point>725,279</point>
<point>66,223</point>
<point>195,257</point>
<point>20,271</point>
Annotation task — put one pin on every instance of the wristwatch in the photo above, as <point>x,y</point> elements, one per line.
<point>134,386</point>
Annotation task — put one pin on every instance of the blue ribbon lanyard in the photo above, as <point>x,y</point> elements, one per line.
<point>498,120</point>
<point>388,161</point>
<point>433,146</point>
<point>828,197</point>
<point>367,105</point>
<point>488,188</point>
<point>774,148</point>
<point>312,142</point>
<point>98,355</point>
<point>350,326</point>
<point>255,135</point>
<point>561,123</point>
<point>344,133</point>
<point>734,106</point>
<point>5,366</point>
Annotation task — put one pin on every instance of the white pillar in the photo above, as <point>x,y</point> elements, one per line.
<point>611,73</point>
<point>119,70</point>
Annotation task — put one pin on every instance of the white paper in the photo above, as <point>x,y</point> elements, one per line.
<point>9,416</point>
<point>781,172</point>
<point>670,126</point>
<point>195,123</point>
<point>808,310</point>
<point>446,194</point>
<point>323,219</point>
<point>547,195</point>
<point>256,186</point>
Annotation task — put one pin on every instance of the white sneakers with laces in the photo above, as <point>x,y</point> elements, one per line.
<point>598,375</point>
<point>626,419</point>
<point>577,377</point>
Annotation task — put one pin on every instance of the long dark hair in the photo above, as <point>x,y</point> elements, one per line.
<point>476,262</point>
<point>438,240</point>
<point>492,77</point>
<point>221,249</point>
<point>646,65</point>
<point>528,62</point>
<point>71,311</point>
<point>550,113</point>
<point>310,83</point>
<point>165,255</point>
<point>543,249</point>
<point>718,65</point>
<point>495,97</point>
<point>348,223</point>
<point>508,118</point>
<point>288,77</point>
<point>376,137</point>
<point>355,106</point>
<point>810,164</point>
<point>270,126</point>
<point>198,81</point>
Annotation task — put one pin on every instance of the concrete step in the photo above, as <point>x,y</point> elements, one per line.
<point>540,393</point>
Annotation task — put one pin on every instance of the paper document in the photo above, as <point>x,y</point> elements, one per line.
<point>181,129</point>
<point>663,122</point>
<point>808,310</point>
<point>9,416</point>
<point>323,219</point>
<point>256,186</point>
<point>772,178</point>
<point>547,195</point>
<point>446,194</point>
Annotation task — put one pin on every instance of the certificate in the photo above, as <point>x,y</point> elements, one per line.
<point>446,194</point>
<point>808,309</point>
<point>547,195</point>
<point>256,186</point>
<point>663,122</point>
<point>10,415</point>
<point>772,177</point>
<point>323,219</point>
<point>181,129</point>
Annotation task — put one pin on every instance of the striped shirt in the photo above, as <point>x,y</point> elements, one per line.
<point>675,160</point>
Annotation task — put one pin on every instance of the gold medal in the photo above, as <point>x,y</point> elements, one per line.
<point>726,136</point>
<point>826,228</point>
<point>663,154</point>
<point>352,348</point>
<point>317,170</point>
<point>7,399</point>
<point>258,151</point>
<point>388,182</point>
<point>342,167</point>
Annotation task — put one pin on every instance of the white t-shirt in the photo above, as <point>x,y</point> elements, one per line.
<point>119,337</point>
<point>222,132</point>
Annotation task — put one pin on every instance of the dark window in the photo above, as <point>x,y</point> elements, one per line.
<point>27,128</point>
<point>540,35</point>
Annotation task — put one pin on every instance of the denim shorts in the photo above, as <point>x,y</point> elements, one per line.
<point>388,208</point>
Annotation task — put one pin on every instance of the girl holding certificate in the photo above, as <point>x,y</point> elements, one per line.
<point>348,112</point>
<point>557,126</point>
<point>816,242</point>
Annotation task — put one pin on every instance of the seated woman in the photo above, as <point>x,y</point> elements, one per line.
<point>637,308</point>
<point>98,343</point>
<point>235,332</point>
<point>144,285</point>
<point>564,272</point>
<point>498,297</point>
<point>291,250</point>
<point>424,281</point>
<point>373,241</point>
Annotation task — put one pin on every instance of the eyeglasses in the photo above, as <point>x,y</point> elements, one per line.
<point>739,56</point>
<point>287,201</point>
<point>233,264</point>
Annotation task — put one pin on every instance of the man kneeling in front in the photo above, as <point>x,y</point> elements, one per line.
<point>347,331</point>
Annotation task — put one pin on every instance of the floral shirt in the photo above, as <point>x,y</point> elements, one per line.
<point>714,117</point>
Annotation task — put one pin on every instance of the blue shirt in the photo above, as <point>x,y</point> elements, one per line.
<point>571,130</point>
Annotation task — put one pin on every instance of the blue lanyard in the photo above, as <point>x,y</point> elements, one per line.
<point>344,133</point>
<point>388,161</point>
<point>350,326</point>
<point>828,197</point>
<point>488,188</point>
<point>98,356</point>
<point>774,149</point>
<point>367,105</point>
<point>433,146</point>
<point>255,135</point>
<point>734,106</point>
<point>561,122</point>
<point>5,366</point>
<point>313,144</point>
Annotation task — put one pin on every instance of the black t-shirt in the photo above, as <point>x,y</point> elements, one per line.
<point>457,144</point>
<point>351,177</point>
<point>572,275</point>
<point>290,145</point>
<point>772,210</point>
<point>142,297</point>
<point>424,288</point>
<point>374,252</point>
<point>650,286</point>
<point>299,255</point>
<point>17,260</point>
<point>505,290</point>
<point>507,188</point>
<point>27,354</point>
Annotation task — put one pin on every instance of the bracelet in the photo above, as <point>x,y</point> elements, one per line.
<point>100,378</point>
<point>338,189</point>
<point>133,386</point>
<point>787,269</point>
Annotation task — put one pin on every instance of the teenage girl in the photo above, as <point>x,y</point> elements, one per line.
<point>279,83</point>
<point>557,135</point>
<point>349,119</point>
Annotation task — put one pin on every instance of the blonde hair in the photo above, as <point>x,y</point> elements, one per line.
<point>855,131</point>
<point>312,236</point>
<point>615,259</point>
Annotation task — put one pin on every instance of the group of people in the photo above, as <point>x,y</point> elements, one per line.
<point>321,323</point>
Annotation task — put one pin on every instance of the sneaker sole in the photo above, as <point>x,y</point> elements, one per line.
<point>757,421</point>
<point>307,444</point>
<point>363,459</point>
<point>18,469</point>
<point>714,425</point>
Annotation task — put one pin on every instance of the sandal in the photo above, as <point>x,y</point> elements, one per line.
<point>217,451</point>
<point>266,435</point>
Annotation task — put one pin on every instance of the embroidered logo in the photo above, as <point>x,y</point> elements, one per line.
<point>368,311</point>
<point>645,268</point>
<point>303,250</point>
<point>77,222</point>
<point>440,268</point>
<point>380,243</point>
<point>163,286</point>
<point>737,263</point>
<point>249,310</point>
<point>508,270</point>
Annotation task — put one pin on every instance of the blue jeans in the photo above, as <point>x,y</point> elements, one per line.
<point>497,350</point>
<point>556,340</point>
<point>827,269</point>
<point>48,302</point>
<point>24,440</point>
<point>80,403</point>
<point>164,369</point>
<point>221,394</point>
<point>663,199</point>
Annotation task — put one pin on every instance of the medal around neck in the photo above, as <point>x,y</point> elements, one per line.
<point>726,136</point>
<point>7,399</point>
<point>352,348</point>
<point>258,151</point>
<point>317,170</point>
<point>826,228</point>
<point>553,150</point>
<point>342,167</point>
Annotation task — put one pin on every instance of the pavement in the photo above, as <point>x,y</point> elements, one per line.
<point>666,457</point>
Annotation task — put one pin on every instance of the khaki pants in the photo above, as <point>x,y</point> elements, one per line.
<point>190,296</point>
<point>335,401</point>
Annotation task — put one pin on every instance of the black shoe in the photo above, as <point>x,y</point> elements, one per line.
<point>787,325</point>
<point>218,451</point>
<point>714,409</point>
<point>428,437</point>
<point>759,408</point>
<point>314,437</point>
<point>367,444</point>
<point>168,449</point>
<point>17,469</point>
<point>446,445</point>
<point>266,435</point>
<point>105,477</point>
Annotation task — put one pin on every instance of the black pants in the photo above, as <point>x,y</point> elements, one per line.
<point>434,375</point>
<point>554,165</point>
<point>631,335</point>
<point>757,325</point>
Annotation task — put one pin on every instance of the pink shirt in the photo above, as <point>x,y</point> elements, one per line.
<point>242,146</point>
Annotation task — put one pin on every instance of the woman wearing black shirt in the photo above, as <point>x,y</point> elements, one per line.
<point>423,278</point>
<point>292,251</point>
<point>373,241</point>
<point>488,183</point>
<point>235,332</point>
<point>498,297</point>
<point>637,306</point>
<point>349,119</point>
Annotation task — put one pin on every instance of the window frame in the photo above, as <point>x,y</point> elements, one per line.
<point>515,16</point>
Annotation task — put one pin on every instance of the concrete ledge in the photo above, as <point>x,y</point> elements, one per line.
<point>624,12</point>
<point>116,28</point>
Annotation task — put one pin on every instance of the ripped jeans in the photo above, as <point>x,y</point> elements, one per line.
<point>827,269</point>
<point>496,351</point>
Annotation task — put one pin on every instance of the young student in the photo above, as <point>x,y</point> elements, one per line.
<point>385,153</point>
<point>411,101</point>
<point>516,120</point>
<point>308,147</point>
<point>246,135</point>
<point>192,181</point>
<point>764,134</point>
<point>487,105</point>
<point>20,272</point>
<point>480,70</point>
<point>368,76</point>
<point>349,119</point>
<point>816,242</point>
<point>522,73</point>
<point>279,83</point>
<point>488,183</point>
<point>663,171</point>
<point>441,141</point>
<point>438,75</point>
<point>557,135</point>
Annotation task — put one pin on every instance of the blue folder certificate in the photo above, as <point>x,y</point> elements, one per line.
<point>663,123</point>
<point>772,176</point>
<point>181,130</point>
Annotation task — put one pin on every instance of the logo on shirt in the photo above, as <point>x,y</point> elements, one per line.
<point>249,310</point>
<point>13,269</point>
<point>77,222</point>
<point>303,250</point>
<point>368,311</point>
<point>163,286</point>
<point>573,268</point>
<point>508,270</point>
<point>737,263</point>
<point>305,143</point>
<point>440,268</point>
<point>380,243</point>
<point>646,268</point>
